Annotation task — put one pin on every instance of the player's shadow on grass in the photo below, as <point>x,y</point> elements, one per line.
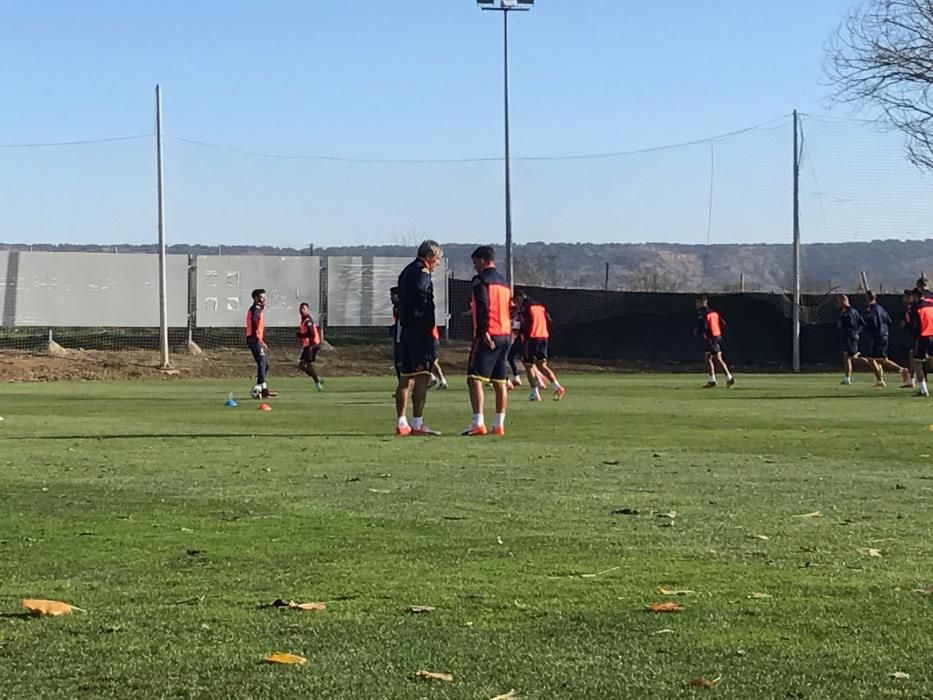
<point>17,616</point>
<point>178,436</point>
<point>820,396</point>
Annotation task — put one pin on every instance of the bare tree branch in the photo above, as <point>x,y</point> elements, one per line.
<point>882,57</point>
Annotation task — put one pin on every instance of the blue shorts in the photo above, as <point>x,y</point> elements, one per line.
<point>309,354</point>
<point>415,352</point>
<point>850,344</point>
<point>878,349</point>
<point>490,364</point>
<point>535,350</point>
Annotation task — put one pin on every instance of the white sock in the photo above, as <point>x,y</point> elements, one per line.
<point>500,420</point>
<point>728,377</point>
<point>417,422</point>
<point>534,390</point>
<point>478,419</point>
<point>555,385</point>
<point>403,422</point>
<point>264,386</point>
<point>923,385</point>
<point>712,378</point>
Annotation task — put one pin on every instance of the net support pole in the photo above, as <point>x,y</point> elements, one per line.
<point>163,282</point>
<point>796,247</point>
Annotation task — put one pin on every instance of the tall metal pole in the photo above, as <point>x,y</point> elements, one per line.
<point>163,303</point>
<point>796,314</point>
<point>508,168</point>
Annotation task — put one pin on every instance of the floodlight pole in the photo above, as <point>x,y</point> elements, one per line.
<point>506,7</point>
<point>163,282</point>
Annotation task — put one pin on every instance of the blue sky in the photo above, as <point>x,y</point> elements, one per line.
<point>380,80</point>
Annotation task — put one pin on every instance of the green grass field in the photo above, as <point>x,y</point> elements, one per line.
<point>170,519</point>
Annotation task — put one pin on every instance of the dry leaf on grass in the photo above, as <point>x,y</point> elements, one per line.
<point>814,514</point>
<point>420,609</point>
<point>666,630</point>
<point>431,675</point>
<point>674,591</point>
<point>923,591</point>
<point>600,573</point>
<point>281,657</point>
<point>760,537</point>
<point>48,608</point>
<point>759,596</point>
<point>511,695</point>
<point>705,682</point>
<point>292,605</point>
<point>900,675</point>
<point>668,607</point>
<point>870,552</point>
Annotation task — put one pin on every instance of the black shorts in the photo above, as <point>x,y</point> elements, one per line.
<point>309,354</point>
<point>849,344</point>
<point>878,348</point>
<point>437,348</point>
<point>415,352</point>
<point>714,344</point>
<point>535,350</point>
<point>490,364</point>
<point>923,348</point>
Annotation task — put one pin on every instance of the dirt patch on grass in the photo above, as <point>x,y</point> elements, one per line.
<point>344,360</point>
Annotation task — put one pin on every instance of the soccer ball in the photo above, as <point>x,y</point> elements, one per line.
<point>256,392</point>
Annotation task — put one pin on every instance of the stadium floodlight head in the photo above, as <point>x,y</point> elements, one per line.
<point>505,5</point>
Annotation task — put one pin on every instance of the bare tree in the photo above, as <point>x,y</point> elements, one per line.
<point>882,57</point>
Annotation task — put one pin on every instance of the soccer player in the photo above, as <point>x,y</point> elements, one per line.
<point>709,327</point>
<point>908,323</point>
<point>490,307</point>
<point>515,352</point>
<point>256,342</point>
<point>878,325</point>
<point>922,321</point>
<point>536,331</point>
<point>923,287</point>
<point>438,380</point>
<point>416,338</point>
<point>850,326</point>
<point>310,344</point>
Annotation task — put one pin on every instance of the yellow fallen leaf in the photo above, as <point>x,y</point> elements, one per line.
<point>705,682</point>
<point>900,675</point>
<point>759,596</point>
<point>281,657</point>
<point>446,677</point>
<point>814,514</point>
<point>420,609</point>
<point>48,608</point>
<point>761,537</point>
<point>669,607</point>
<point>674,591</point>
<point>506,696</point>
<point>308,606</point>
<point>870,552</point>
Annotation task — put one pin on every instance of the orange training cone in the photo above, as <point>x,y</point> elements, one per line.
<point>265,407</point>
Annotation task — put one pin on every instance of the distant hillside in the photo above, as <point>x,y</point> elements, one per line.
<point>890,265</point>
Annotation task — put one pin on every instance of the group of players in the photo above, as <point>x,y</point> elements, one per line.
<point>504,331</point>
<point>877,325</point>
<point>507,330</point>
<point>500,323</point>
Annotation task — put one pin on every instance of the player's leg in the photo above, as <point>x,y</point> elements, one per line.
<point>846,367</point>
<point>499,377</point>
<point>479,371</point>
<point>515,352</point>
<point>923,364</point>
<point>718,358</point>
<point>710,370</point>
<point>439,373</point>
